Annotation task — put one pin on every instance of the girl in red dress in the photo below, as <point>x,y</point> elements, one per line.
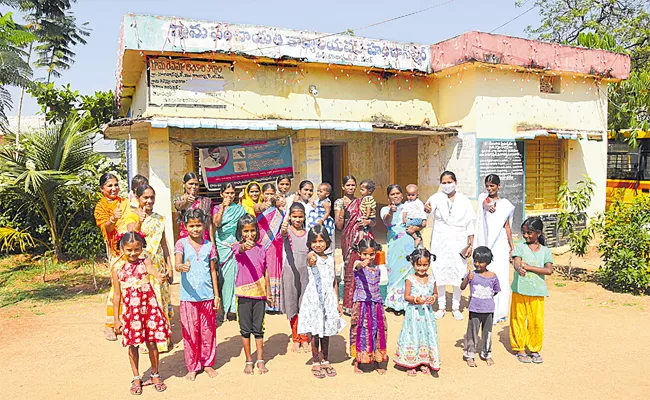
<point>141,319</point>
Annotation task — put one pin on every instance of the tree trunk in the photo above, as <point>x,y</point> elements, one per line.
<point>20,101</point>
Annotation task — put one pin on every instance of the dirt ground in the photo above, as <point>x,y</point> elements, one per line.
<point>591,351</point>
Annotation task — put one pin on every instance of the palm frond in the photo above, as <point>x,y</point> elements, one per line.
<point>11,238</point>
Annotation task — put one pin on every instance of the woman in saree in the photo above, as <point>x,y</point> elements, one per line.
<point>225,217</point>
<point>153,226</point>
<point>190,199</point>
<point>113,216</point>
<point>494,231</point>
<point>270,222</point>
<point>252,196</point>
<point>347,218</point>
<point>400,245</point>
<point>451,240</point>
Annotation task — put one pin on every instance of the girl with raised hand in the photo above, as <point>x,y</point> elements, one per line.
<point>196,259</point>
<point>368,327</point>
<point>295,274</point>
<point>141,319</point>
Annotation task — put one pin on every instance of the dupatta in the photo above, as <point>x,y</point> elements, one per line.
<point>503,211</point>
<point>247,202</point>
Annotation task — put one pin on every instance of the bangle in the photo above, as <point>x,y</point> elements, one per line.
<point>111,219</point>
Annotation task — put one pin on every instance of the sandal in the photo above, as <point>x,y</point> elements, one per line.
<point>136,388</point>
<point>318,373</point>
<point>109,334</point>
<point>537,359</point>
<point>159,386</point>
<point>524,358</point>
<point>411,372</point>
<point>329,370</point>
<point>425,370</point>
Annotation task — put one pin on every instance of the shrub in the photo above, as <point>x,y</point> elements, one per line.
<point>85,241</point>
<point>625,247</point>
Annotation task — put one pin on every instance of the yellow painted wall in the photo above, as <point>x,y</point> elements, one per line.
<point>454,98</point>
<point>139,104</point>
<point>284,95</point>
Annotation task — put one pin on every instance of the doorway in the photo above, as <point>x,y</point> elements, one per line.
<point>333,167</point>
<point>405,165</point>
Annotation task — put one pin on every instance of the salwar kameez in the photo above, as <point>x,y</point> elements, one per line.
<point>154,227</point>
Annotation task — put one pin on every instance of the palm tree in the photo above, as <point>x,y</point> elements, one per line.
<point>14,71</point>
<point>43,170</point>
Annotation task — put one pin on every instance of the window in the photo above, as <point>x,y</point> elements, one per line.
<point>624,162</point>
<point>544,160</point>
<point>550,84</point>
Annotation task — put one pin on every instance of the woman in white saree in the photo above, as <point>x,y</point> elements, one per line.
<point>451,240</point>
<point>494,230</point>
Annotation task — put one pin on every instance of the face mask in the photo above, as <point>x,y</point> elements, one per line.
<point>448,187</point>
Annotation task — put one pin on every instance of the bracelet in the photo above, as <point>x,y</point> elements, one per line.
<point>112,220</point>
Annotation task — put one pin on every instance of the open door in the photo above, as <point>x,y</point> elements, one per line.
<point>333,157</point>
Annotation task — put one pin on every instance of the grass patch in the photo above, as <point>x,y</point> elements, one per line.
<point>21,279</point>
<point>560,284</point>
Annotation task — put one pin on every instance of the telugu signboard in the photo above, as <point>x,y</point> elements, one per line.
<point>175,34</point>
<point>187,83</point>
<point>242,163</point>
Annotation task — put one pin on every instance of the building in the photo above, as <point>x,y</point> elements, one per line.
<point>534,112</point>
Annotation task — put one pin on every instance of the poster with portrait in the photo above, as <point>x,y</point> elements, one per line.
<point>242,163</point>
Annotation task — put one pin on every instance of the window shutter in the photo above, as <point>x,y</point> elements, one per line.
<point>543,173</point>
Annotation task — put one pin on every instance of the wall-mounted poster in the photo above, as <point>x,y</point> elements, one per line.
<point>239,164</point>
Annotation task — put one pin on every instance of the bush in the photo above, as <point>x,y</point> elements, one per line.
<point>625,247</point>
<point>85,241</point>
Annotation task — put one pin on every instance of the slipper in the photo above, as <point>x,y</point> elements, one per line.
<point>524,358</point>
<point>537,359</point>
<point>411,372</point>
<point>318,373</point>
<point>329,370</point>
<point>136,388</point>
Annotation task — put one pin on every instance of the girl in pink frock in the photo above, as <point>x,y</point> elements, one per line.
<point>141,319</point>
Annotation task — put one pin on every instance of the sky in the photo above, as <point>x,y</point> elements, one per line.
<point>94,68</point>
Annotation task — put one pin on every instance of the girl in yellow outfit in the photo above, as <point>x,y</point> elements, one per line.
<point>252,196</point>
<point>532,262</point>
<point>153,226</point>
<point>113,216</point>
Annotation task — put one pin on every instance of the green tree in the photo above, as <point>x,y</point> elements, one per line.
<point>14,71</point>
<point>616,25</point>
<point>573,204</point>
<point>43,171</point>
<point>57,103</point>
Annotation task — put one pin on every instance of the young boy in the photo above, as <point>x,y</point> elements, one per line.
<point>413,212</point>
<point>483,285</point>
<point>321,214</point>
<point>368,205</point>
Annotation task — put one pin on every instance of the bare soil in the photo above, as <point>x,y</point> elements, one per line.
<point>592,350</point>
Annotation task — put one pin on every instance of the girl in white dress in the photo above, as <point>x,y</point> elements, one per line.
<point>451,240</point>
<point>320,312</point>
<point>494,231</point>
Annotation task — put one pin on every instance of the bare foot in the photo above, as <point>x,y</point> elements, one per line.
<point>471,362</point>
<point>248,369</point>
<point>381,371</point>
<point>261,366</point>
<point>489,362</point>
<point>305,348</point>
<point>191,376</point>
<point>356,368</point>
<point>212,373</point>
<point>295,348</point>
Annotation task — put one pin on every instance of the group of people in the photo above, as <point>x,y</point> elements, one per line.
<point>270,250</point>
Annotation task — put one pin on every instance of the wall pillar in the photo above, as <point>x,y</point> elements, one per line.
<point>307,149</point>
<point>160,177</point>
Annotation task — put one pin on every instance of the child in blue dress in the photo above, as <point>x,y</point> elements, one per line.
<point>321,214</point>
<point>417,345</point>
